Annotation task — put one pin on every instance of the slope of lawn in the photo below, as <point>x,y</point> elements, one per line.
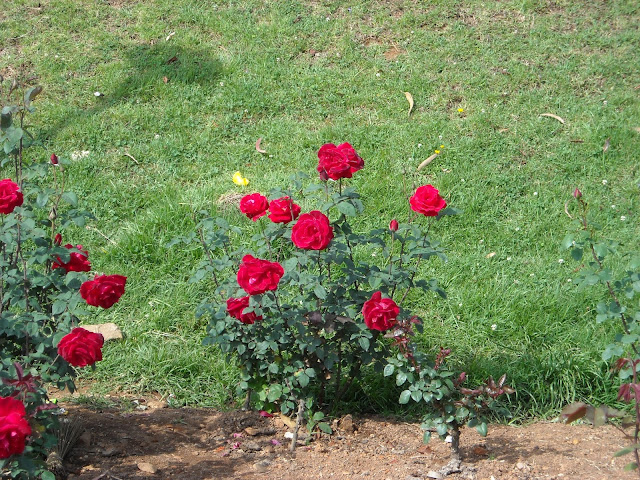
<point>188,86</point>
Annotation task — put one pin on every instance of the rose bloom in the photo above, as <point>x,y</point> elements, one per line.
<point>10,196</point>
<point>338,162</point>
<point>104,290</point>
<point>14,428</point>
<point>235,308</point>
<point>78,261</point>
<point>380,313</point>
<point>257,276</point>
<point>312,231</point>
<point>427,201</point>
<point>254,206</point>
<point>283,210</point>
<point>81,347</point>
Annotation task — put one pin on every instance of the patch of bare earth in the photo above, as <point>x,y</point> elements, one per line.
<point>163,443</point>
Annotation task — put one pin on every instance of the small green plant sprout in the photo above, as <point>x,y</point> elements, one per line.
<point>622,307</point>
<point>310,302</point>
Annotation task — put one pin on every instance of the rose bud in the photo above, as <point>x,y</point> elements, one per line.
<point>393,225</point>
<point>54,159</point>
<point>57,240</point>
<point>577,194</point>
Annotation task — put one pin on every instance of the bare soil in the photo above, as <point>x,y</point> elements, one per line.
<point>145,439</point>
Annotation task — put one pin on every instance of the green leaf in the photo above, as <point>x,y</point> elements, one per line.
<point>576,254</point>
<point>631,466</point>
<point>318,416</point>
<point>47,475</point>
<point>567,242</point>
<point>347,208</point>
<point>325,428</point>
<point>364,343</point>
<point>442,429</point>
<point>482,429</point>
<point>303,380</point>
<point>71,198</point>
<point>401,378</point>
<point>58,307</point>
<point>416,395</point>
<point>388,369</point>
<point>426,437</point>
<point>404,397</point>
<point>320,292</point>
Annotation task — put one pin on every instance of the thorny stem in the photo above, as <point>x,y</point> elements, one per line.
<point>636,432</point>
<point>612,294</point>
<point>209,256</point>
<point>415,271</point>
<point>294,440</point>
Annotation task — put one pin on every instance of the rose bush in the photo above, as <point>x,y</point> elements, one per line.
<point>40,301</point>
<point>310,304</point>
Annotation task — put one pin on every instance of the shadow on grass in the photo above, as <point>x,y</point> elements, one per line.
<point>148,71</point>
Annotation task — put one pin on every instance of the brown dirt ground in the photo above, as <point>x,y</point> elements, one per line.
<point>125,437</point>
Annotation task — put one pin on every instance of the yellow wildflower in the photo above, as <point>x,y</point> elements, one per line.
<point>441,147</point>
<point>437,151</point>
<point>238,179</point>
<point>461,110</point>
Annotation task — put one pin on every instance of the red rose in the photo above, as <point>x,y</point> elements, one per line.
<point>283,210</point>
<point>104,290</point>
<point>393,225</point>
<point>10,196</point>
<point>256,276</point>
<point>54,159</point>
<point>380,313</point>
<point>81,347</point>
<point>312,231</point>
<point>14,428</point>
<point>236,306</point>
<point>254,206</point>
<point>57,240</point>
<point>427,201</point>
<point>78,261</point>
<point>338,162</point>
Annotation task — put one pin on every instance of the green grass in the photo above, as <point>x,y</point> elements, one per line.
<point>300,74</point>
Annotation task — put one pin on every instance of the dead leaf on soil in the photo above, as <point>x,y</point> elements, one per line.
<point>480,450</point>
<point>427,161</point>
<point>287,421</point>
<point>165,79</point>
<point>258,149</point>
<point>491,255</point>
<point>551,115</point>
<point>410,100</point>
<point>169,36</point>
<point>606,145</point>
<point>172,60</point>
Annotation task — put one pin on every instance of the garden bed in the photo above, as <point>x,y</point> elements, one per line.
<point>142,438</point>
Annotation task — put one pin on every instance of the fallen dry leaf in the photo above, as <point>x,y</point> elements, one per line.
<point>492,254</point>
<point>427,161</point>
<point>410,100</point>
<point>424,449</point>
<point>172,60</point>
<point>480,450</point>
<point>165,79</point>
<point>551,115</point>
<point>576,140</point>
<point>606,145</point>
<point>169,36</point>
<point>258,149</point>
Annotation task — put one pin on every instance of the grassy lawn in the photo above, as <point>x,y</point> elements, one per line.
<point>189,86</point>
